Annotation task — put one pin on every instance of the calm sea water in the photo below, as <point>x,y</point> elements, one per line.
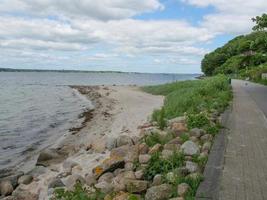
<point>37,107</point>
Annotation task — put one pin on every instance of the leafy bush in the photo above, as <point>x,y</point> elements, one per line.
<point>158,165</point>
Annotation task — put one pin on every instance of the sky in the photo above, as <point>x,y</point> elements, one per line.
<point>155,36</point>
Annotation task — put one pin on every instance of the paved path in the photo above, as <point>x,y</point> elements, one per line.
<point>244,175</point>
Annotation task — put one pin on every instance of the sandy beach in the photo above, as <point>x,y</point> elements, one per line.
<point>118,110</point>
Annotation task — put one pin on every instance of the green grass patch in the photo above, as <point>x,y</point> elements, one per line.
<point>192,97</point>
<point>157,138</point>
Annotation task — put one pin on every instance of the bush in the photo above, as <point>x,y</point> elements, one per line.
<point>157,165</point>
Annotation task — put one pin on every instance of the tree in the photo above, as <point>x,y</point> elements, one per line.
<point>261,22</point>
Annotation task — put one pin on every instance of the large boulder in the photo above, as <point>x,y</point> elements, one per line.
<point>6,188</point>
<point>136,186</point>
<point>160,192</point>
<point>109,165</point>
<point>190,148</point>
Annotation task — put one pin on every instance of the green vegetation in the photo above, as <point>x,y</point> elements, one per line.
<point>243,57</point>
<point>156,138</point>
<point>79,193</point>
<point>192,98</point>
<point>158,165</point>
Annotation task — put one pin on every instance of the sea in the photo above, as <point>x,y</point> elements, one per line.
<point>36,108</point>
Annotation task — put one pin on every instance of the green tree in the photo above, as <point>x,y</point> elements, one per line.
<point>261,22</point>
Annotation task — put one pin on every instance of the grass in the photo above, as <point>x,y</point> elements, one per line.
<point>156,138</point>
<point>192,97</point>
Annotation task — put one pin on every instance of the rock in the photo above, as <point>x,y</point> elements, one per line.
<point>104,187</point>
<point>119,196</point>
<point>191,166</point>
<point>206,146</point>
<point>143,148</point>
<point>181,119</point>
<point>166,154</point>
<point>55,182</point>
<point>111,143</point>
<point>107,177</point>
<point>206,138</point>
<point>176,140</point>
<point>172,147</point>
<point>69,164</point>
<point>6,188</point>
<point>160,192</point>
<point>25,179</point>
<point>171,177</point>
<point>109,165</point>
<point>203,155</point>
<point>72,180</point>
<point>155,148</point>
<point>128,153</point>
<point>90,179</point>
<point>135,140</point>
<point>182,189</point>
<point>139,174</point>
<point>99,146</point>
<point>47,156</point>
<point>124,140</point>
<point>179,127</point>
<point>193,139</point>
<point>118,183</point>
<point>77,169</point>
<point>144,158</point>
<point>136,186</point>
<point>118,171</point>
<point>190,148</point>
<point>129,166</point>
<point>21,194</point>
<point>157,180</point>
<point>196,132</point>
<point>129,175</point>
<point>13,179</point>
<point>177,198</point>
<point>183,171</point>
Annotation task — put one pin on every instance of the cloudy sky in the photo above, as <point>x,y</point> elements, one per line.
<point>169,36</point>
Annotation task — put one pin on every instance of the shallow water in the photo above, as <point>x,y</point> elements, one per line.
<point>38,107</point>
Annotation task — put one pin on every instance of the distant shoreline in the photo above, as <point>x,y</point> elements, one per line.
<point>84,71</point>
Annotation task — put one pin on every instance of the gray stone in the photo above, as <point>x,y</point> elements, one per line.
<point>172,147</point>
<point>129,166</point>
<point>6,188</point>
<point>171,177</point>
<point>157,180</point>
<point>104,187</point>
<point>181,119</point>
<point>69,164</point>
<point>190,148</point>
<point>47,156</point>
<point>55,182</point>
<point>25,179</point>
<point>72,180</point>
<point>124,140</point>
<point>143,148</point>
<point>139,174</point>
<point>136,186</point>
<point>191,166</point>
<point>206,146</point>
<point>182,189</point>
<point>144,158</point>
<point>206,138</point>
<point>107,177</point>
<point>111,143</point>
<point>90,179</point>
<point>160,192</point>
<point>196,132</point>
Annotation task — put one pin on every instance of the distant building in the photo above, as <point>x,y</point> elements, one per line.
<point>264,76</point>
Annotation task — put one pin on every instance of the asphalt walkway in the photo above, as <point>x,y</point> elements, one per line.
<point>244,175</point>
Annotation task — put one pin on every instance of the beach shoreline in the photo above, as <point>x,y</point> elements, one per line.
<point>118,110</point>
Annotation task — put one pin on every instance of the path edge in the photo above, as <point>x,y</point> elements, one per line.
<point>209,188</point>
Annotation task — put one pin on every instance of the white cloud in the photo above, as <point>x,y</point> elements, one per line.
<point>101,9</point>
<point>231,16</point>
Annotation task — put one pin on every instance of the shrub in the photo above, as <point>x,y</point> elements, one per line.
<point>158,165</point>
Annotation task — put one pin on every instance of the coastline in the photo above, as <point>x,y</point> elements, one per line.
<point>118,110</point>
